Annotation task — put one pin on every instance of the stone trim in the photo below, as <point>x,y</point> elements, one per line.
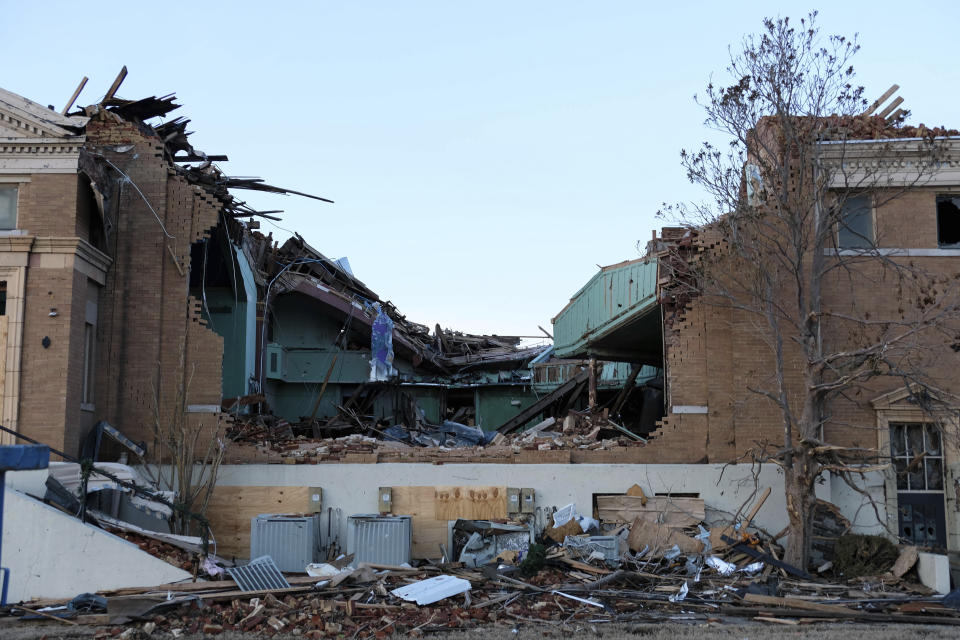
<point>15,277</point>
<point>90,261</point>
<point>689,408</point>
<point>894,251</point>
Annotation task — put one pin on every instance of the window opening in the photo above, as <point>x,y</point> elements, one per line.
<point>89,345</point>
<point>8,206</point>
<point>3,297</point>
<point>917,456</point>
<point>856,223</point>
<point>917,453</point>
<point>948,222</point>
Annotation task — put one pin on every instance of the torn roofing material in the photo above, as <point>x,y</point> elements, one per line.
<point>178,149</point>
<point>614,315</point>
<point>297,267</point>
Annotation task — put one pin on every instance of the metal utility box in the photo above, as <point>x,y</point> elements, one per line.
<point>380,539</point>
<point>513,500</point>
<point>293,541</point>
<point>528,501</point>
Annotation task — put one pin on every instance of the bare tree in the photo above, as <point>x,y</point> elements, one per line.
<point>787,240</point>
<point>187,456</point>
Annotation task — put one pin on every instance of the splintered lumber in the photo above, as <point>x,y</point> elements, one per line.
<point>657,538</point>
<point>719,535</point>
<point>75,95</point>
<point>879,101</point>
<point>766,557</point>
<point>798,603</point>
<point>674,512</point>
<point>543,403</point>
<point>231,508</point>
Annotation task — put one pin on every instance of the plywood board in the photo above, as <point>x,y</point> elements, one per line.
<point>470,503</point>
<point>428,532</point>
<point>431,509</point>
<point>231,509</point>
<point>675,512</point>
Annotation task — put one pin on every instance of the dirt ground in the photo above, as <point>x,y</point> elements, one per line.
<point>13,629</point>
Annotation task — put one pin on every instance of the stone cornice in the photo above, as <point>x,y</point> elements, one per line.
<point>898,163</point>
<point>39,155</point>
<point>34,139</point>
<point>93,256</point>
<point>21,244</point>
<point>74,246</point>
<point>32,119</point>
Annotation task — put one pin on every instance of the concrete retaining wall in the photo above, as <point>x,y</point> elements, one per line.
<point>352,488</point>
<point>53,555</point>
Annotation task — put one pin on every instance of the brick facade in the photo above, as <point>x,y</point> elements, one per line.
<point>105,255</point>
<point>716,356</point>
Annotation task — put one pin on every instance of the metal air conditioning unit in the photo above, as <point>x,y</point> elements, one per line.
<point>293,541</point>
<point>380,539</point>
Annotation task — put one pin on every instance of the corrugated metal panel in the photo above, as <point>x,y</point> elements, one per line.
<point>610,299</point>
<point>259,575</point>
<point>380,539</point>
<point>292,541</point>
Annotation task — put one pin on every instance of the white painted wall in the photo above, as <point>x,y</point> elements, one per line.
<point>867,513</point>
<point>53,555</point>
<point>352,488</point>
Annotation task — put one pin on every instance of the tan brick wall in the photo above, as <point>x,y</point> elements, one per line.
<point>46,206</point>
<point>150,338</point>
<point>716,355</point>
<point>47,373</point>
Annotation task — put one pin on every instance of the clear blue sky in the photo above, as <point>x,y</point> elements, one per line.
<point>484,157</point>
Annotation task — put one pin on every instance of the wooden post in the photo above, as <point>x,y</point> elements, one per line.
<point>316,406</point>
<point>592,392</point>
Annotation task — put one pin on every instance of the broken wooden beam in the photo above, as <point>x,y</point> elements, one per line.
<point>543,403</point>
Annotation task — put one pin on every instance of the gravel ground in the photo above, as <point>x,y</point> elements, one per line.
<point>12,629</point>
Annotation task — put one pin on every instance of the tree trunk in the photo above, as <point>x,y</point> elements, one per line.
<point>799,478</point>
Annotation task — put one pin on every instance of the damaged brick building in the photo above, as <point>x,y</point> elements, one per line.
<point>890,320</point>
<point>138,290</point>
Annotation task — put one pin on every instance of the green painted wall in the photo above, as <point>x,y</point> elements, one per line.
<point>228,318</point>
<point>293,401</point>
<point>430,399</point>
<point>300,321</point>
<point>306,336</point>
<point>495,404</point>
<point>312,365</point>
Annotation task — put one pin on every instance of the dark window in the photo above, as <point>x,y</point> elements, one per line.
<point>948,222</point>
<point>89,360</point>
<point>3,297</point>
<point>917,456</point>
<point>856,223</point>
<point>8,206</point>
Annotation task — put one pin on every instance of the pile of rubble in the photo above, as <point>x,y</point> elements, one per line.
<point>570,588</point>
<point>176,556</point>
<point>636,558</point>
<point>271,439</point>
